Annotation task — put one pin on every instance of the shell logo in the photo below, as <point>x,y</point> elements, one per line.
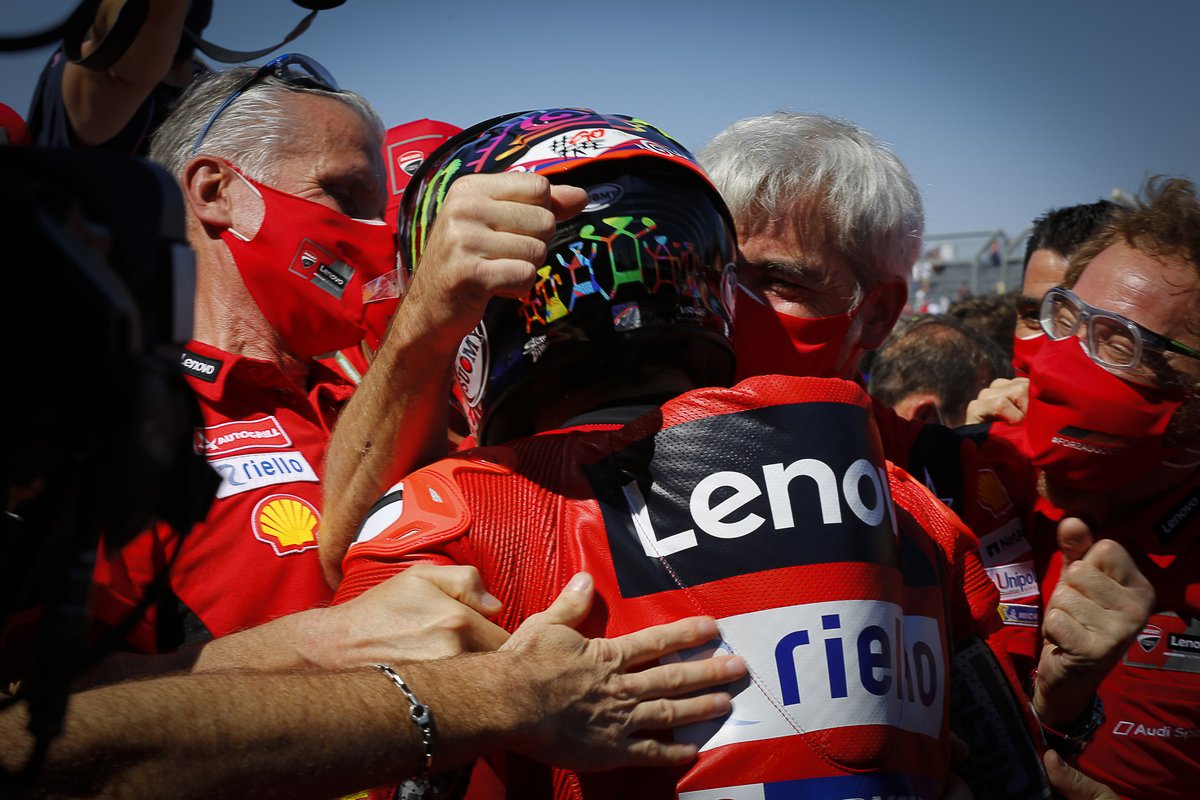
<point>287,523</point>
<point>992,494</point>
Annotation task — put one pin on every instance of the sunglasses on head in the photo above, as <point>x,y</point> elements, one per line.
<point>294,69</point>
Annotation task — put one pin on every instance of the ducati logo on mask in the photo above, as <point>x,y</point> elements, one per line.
<point>319,266</point>
<point>297,267</point>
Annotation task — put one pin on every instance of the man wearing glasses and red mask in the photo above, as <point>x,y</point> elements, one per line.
<point>1055,236</point>
<point>1112,433</point>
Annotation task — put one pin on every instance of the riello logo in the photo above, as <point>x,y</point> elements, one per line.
<point>822,666</point>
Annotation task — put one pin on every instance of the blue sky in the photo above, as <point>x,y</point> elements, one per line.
<point>1000,110</point>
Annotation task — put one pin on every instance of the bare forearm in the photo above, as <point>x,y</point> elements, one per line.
<point>395,423</point>
<point>256,735</point>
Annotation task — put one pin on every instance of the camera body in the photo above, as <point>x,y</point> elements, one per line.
<point>99,433</point>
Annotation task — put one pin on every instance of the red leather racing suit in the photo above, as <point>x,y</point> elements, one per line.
<point>839,578</point>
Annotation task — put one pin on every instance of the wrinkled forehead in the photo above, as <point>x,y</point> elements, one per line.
<point>1160,293</point>
<point>324,130</point>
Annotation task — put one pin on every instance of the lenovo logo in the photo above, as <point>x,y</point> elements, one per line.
<point>746,492</point>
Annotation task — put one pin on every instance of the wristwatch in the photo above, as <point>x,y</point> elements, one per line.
<point>1071,741</point>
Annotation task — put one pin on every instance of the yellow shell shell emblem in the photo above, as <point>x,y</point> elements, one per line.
<point>286,522</point>
<point>992,494</point>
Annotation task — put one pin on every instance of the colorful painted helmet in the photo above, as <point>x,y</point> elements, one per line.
<point>641,279</point>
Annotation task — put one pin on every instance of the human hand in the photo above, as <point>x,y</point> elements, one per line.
<point>428,611</point>
<point>489,239</point>
<point>1005,399</point>
<point>1071,784</point>
<point>587,704</point>
<point>1100,604</point>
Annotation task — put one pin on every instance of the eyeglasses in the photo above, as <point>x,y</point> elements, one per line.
<point>293,69</point>
<point>1112,340</point>
<point>1028,317</point>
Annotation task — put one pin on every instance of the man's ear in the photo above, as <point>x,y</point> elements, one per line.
<point>881,312</point>
<point>206,182</point>
<point>921,406</point>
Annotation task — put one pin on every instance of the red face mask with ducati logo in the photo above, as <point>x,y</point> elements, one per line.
<point>770,343</point>
<point>1087,428</point>
<point>306,266</point>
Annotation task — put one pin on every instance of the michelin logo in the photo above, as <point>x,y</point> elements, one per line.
<point>831,665</point>
<point>244,473</point>
<point>1022,616</point>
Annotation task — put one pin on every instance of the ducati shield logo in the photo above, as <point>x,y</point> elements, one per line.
<point>1149,638</point>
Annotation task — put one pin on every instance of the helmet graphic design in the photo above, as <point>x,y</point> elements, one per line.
<point>640,279</point>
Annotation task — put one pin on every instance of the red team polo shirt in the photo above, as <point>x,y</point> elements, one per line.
<point>254,557</point>
<point>1149,745</point>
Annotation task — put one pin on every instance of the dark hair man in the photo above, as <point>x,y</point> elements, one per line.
<point>931,368</point>
<point>1055,237</point>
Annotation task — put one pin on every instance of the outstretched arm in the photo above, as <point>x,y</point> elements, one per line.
<point>489,240</point>
<point>566,699</point>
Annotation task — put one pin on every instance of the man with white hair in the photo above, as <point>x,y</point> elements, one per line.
<point>830,225</point>
<point>283,183</point>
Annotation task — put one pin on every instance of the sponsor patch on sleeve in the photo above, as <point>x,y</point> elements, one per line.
<point>198,366</point>
<point>1022,616</point>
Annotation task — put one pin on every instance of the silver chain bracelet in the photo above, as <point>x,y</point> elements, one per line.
<point>419,713</point>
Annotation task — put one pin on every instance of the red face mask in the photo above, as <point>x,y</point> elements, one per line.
<point>1024,351</point>
<point>770,343</point>
<point>1087,428</point>
<point>306,266</point>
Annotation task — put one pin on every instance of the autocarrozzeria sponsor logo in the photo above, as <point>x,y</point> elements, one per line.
<point>264,433</point>
<point>1128,728</point>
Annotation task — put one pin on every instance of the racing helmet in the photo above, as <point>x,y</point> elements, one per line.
<point>641,279</point>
